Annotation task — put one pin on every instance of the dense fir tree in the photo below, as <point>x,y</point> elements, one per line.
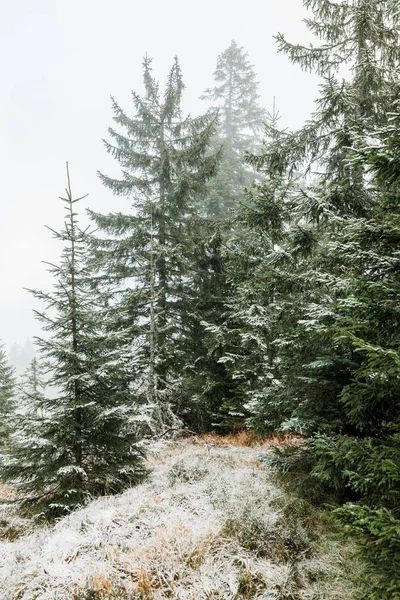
<point>207,385</point>
<point>235,96</point>
<point>323,280</point>
<point>309,369</point>
<point>82,439</point>
<point>365,323</point>
<point>7,399</point>
<point>146,253</point>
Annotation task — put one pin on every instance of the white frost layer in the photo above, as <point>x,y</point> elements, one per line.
<point>162,539</point>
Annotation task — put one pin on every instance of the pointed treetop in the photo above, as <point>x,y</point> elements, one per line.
<point>235,94</point>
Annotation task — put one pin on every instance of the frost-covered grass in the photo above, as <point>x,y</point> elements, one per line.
<point>208,524</point>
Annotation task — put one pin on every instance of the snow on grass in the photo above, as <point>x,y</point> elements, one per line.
<point>206,525</point>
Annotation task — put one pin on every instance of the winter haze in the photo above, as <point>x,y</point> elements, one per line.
<point>61,61</point>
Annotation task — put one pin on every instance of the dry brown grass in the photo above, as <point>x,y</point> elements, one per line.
<point>244,438</point>
<point>161,568</point>
<point>8,493</point>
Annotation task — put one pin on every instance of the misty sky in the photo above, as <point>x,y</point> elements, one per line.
<point>61,61</point>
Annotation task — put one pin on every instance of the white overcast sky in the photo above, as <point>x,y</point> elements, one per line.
<point>60,62</point>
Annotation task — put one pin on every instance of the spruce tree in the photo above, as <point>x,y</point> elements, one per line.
<point>145,254</point>
<point>327,189</point>
<point>364,464</point>
<point>235,96</point>
<point>32,388</point>
<point>7,399</point>
<point>80,440</point>
<point>358,61</point>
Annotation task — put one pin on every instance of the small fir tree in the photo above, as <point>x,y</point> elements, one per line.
<point>81,440</point>
<point>7,398</point>
<point>32,390</point>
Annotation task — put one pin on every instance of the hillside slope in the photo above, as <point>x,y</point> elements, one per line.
<point>208,524</point>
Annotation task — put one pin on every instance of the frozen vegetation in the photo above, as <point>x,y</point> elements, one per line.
<point>249,279</point>
<point>209,523</point>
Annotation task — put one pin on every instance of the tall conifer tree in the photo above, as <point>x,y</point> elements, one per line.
<point>147,252</point>
<point>362,39</point>
<point>7,388</point>
<point>235,96</point>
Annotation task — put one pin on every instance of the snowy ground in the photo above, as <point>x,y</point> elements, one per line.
<point>208,524</point>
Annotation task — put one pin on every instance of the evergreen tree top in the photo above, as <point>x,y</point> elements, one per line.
<point>159,146</point>
<point>235,95</point>
<point>363,31</point>
<point>358,58</point>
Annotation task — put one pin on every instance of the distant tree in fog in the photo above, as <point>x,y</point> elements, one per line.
<point>241,117</point>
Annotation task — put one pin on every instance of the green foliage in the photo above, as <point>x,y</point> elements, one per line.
<point>367,466</point>
<point>377,533</point>
<point>317,312</point>
<point>294,466</point>
<point>206,384</point>
<point>7,398</point>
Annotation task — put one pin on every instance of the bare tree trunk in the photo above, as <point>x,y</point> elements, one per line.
<point>162,280</point>
<point>153,324</point>
<point>78,450</point>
